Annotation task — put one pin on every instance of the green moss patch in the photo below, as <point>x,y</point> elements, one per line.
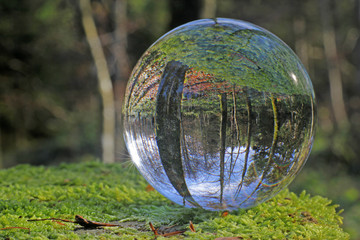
<point>116,193</point>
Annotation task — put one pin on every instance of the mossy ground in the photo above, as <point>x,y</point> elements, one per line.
<point>117,193</point>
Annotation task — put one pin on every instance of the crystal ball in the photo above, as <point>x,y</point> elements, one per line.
<point>219,114</point>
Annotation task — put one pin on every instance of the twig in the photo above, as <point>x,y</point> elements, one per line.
<point>172,233</point>
<point>156,233</point>
<point>153,229</point>
<point>87,224</point>
<point>91,224</point>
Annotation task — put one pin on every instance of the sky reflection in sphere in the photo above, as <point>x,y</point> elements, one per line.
<point>219,114</point>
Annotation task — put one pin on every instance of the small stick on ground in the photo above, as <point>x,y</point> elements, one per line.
<point>87,224</point>
<point>153,229</point>
<point>172,233</point>
<point>156,233</point>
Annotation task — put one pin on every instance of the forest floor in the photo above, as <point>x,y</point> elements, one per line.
<point>81,201</point>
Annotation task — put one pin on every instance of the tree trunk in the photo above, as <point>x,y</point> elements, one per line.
<point>105,85</point>
<point>223,122</point>
<point>248,142</point>
<point>301,46</point>
<point>333,64</point>
<point>168,126</point>
<point>122,71</point>
<point>208,9</point>
<point>356,52</point>
<point>272,149</point>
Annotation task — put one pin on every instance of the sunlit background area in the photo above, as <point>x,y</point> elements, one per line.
<point>64,66</point>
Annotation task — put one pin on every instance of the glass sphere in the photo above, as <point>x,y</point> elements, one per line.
<point>219,114</point>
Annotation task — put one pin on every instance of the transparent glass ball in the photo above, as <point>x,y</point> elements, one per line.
<point>219,114</point>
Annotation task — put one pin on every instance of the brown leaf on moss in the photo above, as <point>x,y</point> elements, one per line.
<point>191,226</point>
<point>149,188</point>
<point>307,217</point>
<point>224,214</point>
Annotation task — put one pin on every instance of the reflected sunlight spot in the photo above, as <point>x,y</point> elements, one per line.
<point>293,76</point>
<point>132,149</point>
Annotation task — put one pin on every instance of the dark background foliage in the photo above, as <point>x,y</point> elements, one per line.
<point>50,105</point>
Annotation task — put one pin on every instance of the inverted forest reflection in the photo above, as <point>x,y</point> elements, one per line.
<point>204,141</point>
<point>222,150</point>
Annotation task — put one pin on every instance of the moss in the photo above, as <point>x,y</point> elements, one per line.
<point>117,193</point>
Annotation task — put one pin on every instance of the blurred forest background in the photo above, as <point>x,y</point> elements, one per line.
<point>53,53</point>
